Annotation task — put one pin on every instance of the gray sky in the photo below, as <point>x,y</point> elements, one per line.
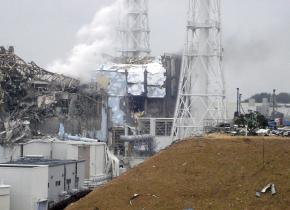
<point>256,35</point>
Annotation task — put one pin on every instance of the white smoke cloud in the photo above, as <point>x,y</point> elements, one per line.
<point>93,40</point>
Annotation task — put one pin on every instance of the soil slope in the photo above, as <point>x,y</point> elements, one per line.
<point>219,173</point>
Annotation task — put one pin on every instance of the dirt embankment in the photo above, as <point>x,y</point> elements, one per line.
<point>211,173</point>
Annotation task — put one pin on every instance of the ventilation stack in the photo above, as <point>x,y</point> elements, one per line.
<point>134,32</point>
<point>201,94</point>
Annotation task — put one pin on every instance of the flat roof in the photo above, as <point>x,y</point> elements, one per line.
<point>34,162</point>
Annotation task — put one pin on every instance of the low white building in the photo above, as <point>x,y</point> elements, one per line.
<point>37,183</point>
<point>29,186</point>
<point>94,153</point>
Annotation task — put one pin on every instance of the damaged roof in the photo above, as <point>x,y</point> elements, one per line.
<point>135,78</point>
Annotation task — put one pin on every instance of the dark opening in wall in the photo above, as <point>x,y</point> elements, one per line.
<point>137,103</point>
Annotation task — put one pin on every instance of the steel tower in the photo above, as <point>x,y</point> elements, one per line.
<point>201,94</point>
<point>134,29</point>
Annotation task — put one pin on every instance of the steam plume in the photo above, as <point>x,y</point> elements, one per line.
<point>93,40</point>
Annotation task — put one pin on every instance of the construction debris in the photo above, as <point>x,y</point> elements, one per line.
<point>258,194</point>
<point>137,195</point>
<point>273,189</point>
<point>133,198</point>
<point>268,188</point>
<point>34,101</point>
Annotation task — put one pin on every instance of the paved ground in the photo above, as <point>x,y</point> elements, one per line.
<point>218,173</point>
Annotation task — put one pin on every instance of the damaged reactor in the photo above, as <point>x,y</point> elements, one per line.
<point>34,102</point>
<point>46,117</point>
<point>139,90</point>
<point>122,95</point>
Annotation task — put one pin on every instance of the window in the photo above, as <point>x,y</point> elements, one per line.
<point>57,183</point>
<point>77,179</point>
<point>163,127</point>
<point>68,181</point>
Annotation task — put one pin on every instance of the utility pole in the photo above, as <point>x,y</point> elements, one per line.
<point>274,101</point>
<point>201,94</point>
<point>134,32</point>
<point>238,103</point>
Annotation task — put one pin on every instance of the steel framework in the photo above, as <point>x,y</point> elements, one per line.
<point>134,29</point>
<point>10,62</point>
<point>201,94</point>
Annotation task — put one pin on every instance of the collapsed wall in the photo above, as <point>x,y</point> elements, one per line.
<point>34,101</point>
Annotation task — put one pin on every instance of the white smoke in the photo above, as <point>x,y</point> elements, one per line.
<point>93,40</point>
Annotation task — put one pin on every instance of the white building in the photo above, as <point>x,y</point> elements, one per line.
<point>25,193</point>
<point>4,197</point>
<point>37,183</point>
<point>94,153</point>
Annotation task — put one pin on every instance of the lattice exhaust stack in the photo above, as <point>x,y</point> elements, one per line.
<point>201,97</point>
<point>134,29</point>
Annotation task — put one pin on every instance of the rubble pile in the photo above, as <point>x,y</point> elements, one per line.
<point>34,101</point>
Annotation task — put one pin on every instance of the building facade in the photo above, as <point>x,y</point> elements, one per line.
<point>38,183</point>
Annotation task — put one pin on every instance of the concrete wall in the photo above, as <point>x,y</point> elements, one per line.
<point>70,176</point>
<point>4,197</point>
<point>85,154</point>
<point>103,133</point>
<point>55,150</point>
<point>56,174</point>
<point>38,148</point>
<point>64,178</point>
<point>29,185</point>
<point>64,151</point>
<point>162,142</point>
<point>9,153</point>
<point>97,160</point>
<point>71,109</point>
<point>80,175</point>
<point>92,153</point>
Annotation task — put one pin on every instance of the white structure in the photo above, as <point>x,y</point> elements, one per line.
<point>94,153</point>
<point>160,128</point>
<point>29,186</point>
<point>201,96</point>
<point>121,80</point>
<point>134,29</point>
<point>4,197</point>
<point>9,153</point>
<point>37,183</point>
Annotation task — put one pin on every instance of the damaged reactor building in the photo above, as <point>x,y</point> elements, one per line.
<point>121,96</point>
<point>140,91</point>
<point>123,115</point>
<point>34,102</point>
<point>133,94</point>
